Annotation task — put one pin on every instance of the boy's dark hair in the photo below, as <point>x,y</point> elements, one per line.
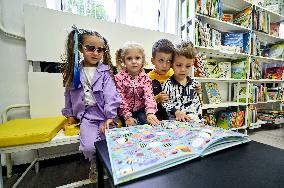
<point>185,49</point>
<point>163,45</point>
<point>68,72</point>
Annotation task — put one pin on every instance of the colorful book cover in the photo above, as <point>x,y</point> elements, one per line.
<point>212,94</point>
<point>213,68</point>
<point>225,69</point>
<point>240,92</point>
<point>239,69</point>
<point>140,150</point>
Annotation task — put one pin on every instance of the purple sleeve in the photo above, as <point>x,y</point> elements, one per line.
<point>111,97</point>
<point>67,110</point>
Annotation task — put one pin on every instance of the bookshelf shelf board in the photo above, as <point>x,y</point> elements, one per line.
<point>222,105</point>
<point>264,37</point>
<point>269,101</point>
<point>259,102</point>
<point>218,52</point>
<point>234,5</point>
<point>243,127</point>
<point>257,124</point>
<point>220,80</point>
<point>222,25</point>
<point>274,17</point>
<point>266,80</point>
<point>268,59</point>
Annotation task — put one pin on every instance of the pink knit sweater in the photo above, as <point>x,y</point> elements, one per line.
<point>136,93</point>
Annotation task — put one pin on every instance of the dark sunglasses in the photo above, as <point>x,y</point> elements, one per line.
<point>90,48</point>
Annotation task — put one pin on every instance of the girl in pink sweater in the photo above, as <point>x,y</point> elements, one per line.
<point>138,105</point>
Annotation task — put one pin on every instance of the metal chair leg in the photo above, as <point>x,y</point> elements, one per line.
<point>9,164</point>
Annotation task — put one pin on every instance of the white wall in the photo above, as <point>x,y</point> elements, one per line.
<point>13,59</point>
<point>13,63</point>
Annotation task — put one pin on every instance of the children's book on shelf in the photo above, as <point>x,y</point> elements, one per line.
<point>230,120</point>
<point>140,150</point>
<point>240,93</point>
<point>225,69</point>
<point>213,68</point>
<point>211,93</point>
<point>239,69</point>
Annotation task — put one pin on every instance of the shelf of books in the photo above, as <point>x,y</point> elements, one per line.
<point>242,56</point>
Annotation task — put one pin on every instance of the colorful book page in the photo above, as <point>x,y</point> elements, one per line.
<point>143,149</point>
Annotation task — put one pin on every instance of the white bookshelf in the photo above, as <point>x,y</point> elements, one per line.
<point>234,6</point>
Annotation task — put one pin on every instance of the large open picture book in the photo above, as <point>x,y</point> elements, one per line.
<point>140,150</point>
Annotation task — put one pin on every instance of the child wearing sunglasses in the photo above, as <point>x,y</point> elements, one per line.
<point>91,98</point>
<point>138,105</point>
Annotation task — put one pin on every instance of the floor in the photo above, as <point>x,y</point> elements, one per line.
<point>65,170</point>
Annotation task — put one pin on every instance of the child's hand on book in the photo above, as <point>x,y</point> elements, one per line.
<point>131,121</point>
<point>69,121</point>
<point>152,119</point>
<point>162,97</point>
<point>107,124</point>
<point>181,116</point>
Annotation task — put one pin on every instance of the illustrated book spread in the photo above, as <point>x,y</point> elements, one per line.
<point>140,150</point>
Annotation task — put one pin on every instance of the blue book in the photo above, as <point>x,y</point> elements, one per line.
<point>140,150</point>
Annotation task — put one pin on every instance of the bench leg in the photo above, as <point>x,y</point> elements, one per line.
<point>37,163</point>
<point>1,177</point>
<point>37,167</point>
<point>9,164</point>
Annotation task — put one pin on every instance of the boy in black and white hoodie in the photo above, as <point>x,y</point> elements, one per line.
<point>183,104</point>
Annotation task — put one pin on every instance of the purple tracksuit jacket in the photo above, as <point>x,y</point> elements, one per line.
<point>91,119</point>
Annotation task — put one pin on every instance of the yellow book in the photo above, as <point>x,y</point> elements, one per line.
<point>72,130</point>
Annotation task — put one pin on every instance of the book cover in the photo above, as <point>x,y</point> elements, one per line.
<point>240,92</point>
<point>140,150</point>
<point>225,69</point>
<point>239,69</point>
<point>213,68</point>
<point>212,93</point>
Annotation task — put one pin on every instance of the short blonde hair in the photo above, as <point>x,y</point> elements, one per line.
<point>120,53</point>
